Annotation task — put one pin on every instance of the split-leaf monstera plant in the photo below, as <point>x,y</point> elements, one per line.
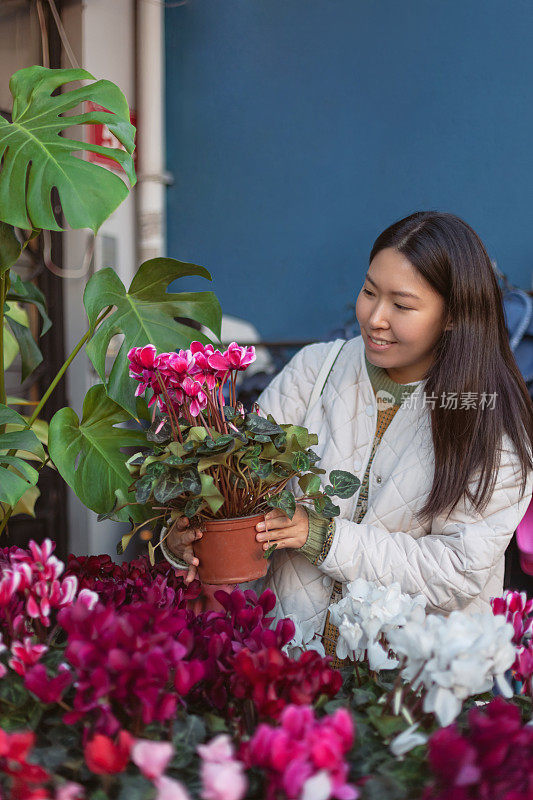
<point>36,157</point>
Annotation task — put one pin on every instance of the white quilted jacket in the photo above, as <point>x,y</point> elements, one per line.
<point>455,563</point>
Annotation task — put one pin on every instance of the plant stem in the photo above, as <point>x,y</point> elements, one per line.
<point>64,368</point>
<point>4,286</point>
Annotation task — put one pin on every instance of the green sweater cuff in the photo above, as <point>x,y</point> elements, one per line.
<point>318,531</point>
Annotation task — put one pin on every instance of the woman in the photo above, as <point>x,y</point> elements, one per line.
<point>429,410</point>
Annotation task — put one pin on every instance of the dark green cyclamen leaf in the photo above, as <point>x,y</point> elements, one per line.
<point>280,440</point>
<point>191,482</point>
<point>285,501</point>
<point>259,425</point>
<point>344,483</point>
<point>269,551</point>
<point>252,452</point>
<point>192,506</point>
<point>264,470</point>
<point>309,483</point>
<point>188,446</point>
<point>156,469</point>
<point>167,488</point>
<point>26,292</point>
<point>325,507</point>
<point>313,457</point>
<point>143,488</point>
<point>223,444</point>
<point>281,471</point>
<point>252,463</point>
<point>300,462</point>
<point>160,431</point>
<point>229,413</point>
<point>173,461</point>
<point>260,437</point>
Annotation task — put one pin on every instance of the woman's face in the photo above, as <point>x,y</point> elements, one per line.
<point>399,307</point>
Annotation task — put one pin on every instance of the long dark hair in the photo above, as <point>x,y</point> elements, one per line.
<point>473,356</point>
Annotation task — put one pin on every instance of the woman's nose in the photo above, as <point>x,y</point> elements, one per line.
<point>378,317</point>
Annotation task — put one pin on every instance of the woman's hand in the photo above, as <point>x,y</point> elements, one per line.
<point>283,531</point>
<point>179,541</point>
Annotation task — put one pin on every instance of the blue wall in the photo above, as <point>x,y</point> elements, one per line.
<point>298,129</point>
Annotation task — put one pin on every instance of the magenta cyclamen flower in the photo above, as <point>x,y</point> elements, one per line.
<point>142,366</point>
<point>517,609</point>
<point>234,358</point>
<point>198,398</point>
<point>303,752</point>
<point>48,690</point>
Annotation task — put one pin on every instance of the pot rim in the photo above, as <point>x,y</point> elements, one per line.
<point>235,519</point>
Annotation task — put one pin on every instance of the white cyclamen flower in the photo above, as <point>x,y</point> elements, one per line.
<point>407,740</point>
<point>366,613</point>
<point>305,638</point>
<point>454,657</point>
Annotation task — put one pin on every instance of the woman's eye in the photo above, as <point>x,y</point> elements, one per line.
<point>367,291</point>
<point>402,308</point>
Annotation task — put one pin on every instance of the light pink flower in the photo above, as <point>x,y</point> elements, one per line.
<point>151,757</point>
<point>240,357</point>
<point>25,654</point>
<point>223,781</point>
<point>169,789</point>
<point>70,791</point>
<point>218,750</point>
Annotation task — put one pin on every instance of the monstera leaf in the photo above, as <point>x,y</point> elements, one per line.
<point>87,453</point>
<point>16,476</point>
<point>10,247</point>
<point>35,158</point>
<point>145,314</point>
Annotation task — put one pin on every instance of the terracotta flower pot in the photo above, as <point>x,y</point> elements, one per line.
<point>228,551</point>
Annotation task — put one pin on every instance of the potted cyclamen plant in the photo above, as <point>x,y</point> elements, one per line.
<point>208,459</point>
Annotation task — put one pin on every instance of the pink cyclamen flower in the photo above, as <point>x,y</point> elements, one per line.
<point>240,357</point>
<point>70,791</point>
<point>517,609</point>
<point>25,654</point>
<point>169,789</point>
<point>9,584</point>
<point>225,781</point>
<point>218,750</point>
<point>198,398</point>
<point>151,757</point>
<point>201,370</point>
<point>142,366</point>
<point>174,366</point>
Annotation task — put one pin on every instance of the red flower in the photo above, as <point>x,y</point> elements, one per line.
<point>104,757</point>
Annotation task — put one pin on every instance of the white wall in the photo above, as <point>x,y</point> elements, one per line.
<point>101,33</point>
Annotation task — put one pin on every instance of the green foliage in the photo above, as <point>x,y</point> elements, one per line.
<point>16,475</point>
<point>233,474</point>
<point>10,247</point>
<point>37,158</point>
<point>88,453</point>
<point>145,314</point>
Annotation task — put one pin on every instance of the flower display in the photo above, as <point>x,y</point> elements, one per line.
<point>128,692</point>
<point>304,757</point>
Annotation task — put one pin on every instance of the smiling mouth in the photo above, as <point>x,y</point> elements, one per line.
<point>380,341</point>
